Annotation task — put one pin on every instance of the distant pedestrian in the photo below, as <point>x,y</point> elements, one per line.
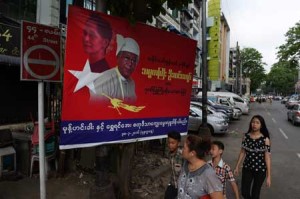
<point>257,163</point>
<point>175,157</point>
<point>197,179</point>
<point>222,169</point>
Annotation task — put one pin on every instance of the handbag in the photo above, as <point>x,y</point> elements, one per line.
<point>171,192</point>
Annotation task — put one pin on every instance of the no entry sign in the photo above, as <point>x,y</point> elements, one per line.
<point>40,52</point>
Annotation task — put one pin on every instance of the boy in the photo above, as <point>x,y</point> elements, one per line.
<point>222,169</point>
<point>175,158</point>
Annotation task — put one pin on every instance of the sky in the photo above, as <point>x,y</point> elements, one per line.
<point>260,24</point>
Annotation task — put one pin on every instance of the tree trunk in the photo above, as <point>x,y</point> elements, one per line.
<point>127,151</point>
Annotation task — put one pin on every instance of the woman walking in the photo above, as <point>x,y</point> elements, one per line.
<point>197,179</point>
<point>257,158</point>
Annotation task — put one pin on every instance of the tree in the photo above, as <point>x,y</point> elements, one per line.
<point>252,67</point>
<point>290,51</point>
<point>283,74</point>
<point>281,78</point>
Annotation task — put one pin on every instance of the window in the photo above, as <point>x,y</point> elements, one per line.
<point>90,4</point>
<point>19,9</point>
<point>238,100</point>
<point>175,13</point>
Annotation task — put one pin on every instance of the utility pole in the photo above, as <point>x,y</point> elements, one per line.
<point>238,69</point>
<point>204,131</point>
<point>204,65</point>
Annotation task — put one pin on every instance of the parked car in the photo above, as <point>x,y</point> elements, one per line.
<point>294,114</point>
<point>284,100</point>
<point>211,110</point>
<point>238,102</point>
<point>220,108</point>
<point>215,124</point>
<point>237,113</point>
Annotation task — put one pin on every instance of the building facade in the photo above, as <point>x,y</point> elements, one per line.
<point>218,47</point>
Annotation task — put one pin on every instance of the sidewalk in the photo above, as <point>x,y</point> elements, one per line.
<point>149,180</point>
<point>150,176</point>
<point>73,185</point>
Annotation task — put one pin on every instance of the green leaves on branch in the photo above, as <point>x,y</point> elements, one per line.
<point>283,74</point>
<point>290,51</point>
<point>281,78</point>
<point>252,67</point>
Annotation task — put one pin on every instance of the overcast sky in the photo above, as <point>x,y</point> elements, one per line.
<point>261,24</point>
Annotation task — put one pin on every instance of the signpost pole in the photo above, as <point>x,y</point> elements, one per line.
<point>40,49</point>
<point>41,120</point>
<point>41,140</point>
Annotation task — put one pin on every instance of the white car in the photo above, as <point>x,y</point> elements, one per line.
<point>215,124</point>
<point>234,98</point>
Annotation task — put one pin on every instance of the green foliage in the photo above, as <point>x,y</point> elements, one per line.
<point>252,67</point>
<point>143,10</point>
<point>283,74</point>
<point>281,78</point>
<point>290,51</point>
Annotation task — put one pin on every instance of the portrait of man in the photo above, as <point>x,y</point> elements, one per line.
<point>117,82</point>
<point>97,34</point>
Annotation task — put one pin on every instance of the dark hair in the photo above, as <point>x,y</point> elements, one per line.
<point>219,144</point>
<point>103,26</point>
<point>264,130</point>
<point>175,135</point>
<point>197,144</point>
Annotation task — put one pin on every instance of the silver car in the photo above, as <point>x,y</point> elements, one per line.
<point>211,110</point>
<point>215,124</point>
<point>237,113</point>
<point>294,114</point>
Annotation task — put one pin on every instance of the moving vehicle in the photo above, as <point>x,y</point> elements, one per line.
<point>293,114</point>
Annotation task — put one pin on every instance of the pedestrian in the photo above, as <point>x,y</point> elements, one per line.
<point>117,82</point>
<point>222,169</point>
<point>175,157</point>
<point>197,179</point>
<point>257,158</point>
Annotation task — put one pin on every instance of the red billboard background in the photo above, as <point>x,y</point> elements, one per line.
<point>163,77</point>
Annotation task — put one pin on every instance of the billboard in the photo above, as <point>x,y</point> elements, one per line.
<point>123,82</point>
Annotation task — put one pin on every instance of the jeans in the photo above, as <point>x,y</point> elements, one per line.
<point>251,183</point>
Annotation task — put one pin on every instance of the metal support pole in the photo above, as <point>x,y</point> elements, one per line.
<point>39,17</point>
<point>241,78</point>
<point>41,140</point>
<point>204,131</point>
<point>204,64</point>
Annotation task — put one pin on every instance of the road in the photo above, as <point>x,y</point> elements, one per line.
<point>285,149</point>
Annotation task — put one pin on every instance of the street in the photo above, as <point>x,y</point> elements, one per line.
<point>285,149</point>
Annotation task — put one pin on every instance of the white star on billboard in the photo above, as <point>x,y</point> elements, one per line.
<point>85,77</point>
